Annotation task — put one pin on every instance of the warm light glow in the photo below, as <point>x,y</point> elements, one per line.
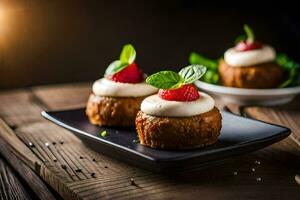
<point>5,22</point>
<point>3,19</point>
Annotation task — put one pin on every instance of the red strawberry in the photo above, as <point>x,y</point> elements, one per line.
<point>247,46</point>
<point>130,74</point>
<point>185,93</point>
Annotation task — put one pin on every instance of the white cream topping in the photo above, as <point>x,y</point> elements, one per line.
<point>237,58</point>
<point>106,87</point>
<point>156,106</point>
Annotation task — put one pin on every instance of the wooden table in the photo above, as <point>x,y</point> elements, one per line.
<point>43,160</point>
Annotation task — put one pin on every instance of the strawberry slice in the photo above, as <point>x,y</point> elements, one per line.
<point>186,93</point>
<point>130,74</point>
<point>247,46</point>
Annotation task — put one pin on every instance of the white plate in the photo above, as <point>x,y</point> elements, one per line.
<point>241,96</point>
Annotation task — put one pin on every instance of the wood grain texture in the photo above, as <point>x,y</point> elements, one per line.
<point>112,178</point>
<point>287,115</point>
<point>77,172</point>
<point>7,136</point>
<point>10,185</point>
<point>23,161</point>
<point>19,107</point>
<point>64,96</point>
<point>74,168</point>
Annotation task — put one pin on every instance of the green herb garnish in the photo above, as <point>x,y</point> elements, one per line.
<point>127,57</point>
<point>212,75</point>
<point>104,134</point>
<point>165,80</point>
<point>173,80</point>
<point>128,54</point>
<point>291,68</point>
<point>249,33</point>
<point>192,73</point>
<point>115,67</point>
<point>250,37</point>
<point>240,38</point>
<point>197,59</point>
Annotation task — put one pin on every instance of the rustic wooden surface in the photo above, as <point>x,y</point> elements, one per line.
<point>10,185</point>
<point>61,160</point>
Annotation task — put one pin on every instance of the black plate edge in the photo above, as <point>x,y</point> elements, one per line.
<point>230,151</point>
<point>46,115</point>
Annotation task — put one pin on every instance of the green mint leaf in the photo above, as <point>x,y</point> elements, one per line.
<point>290,80</point>
<point>240,38</point>
<point>165,80</point>
<point>197,59</point>
<point>292,68</point>
<point>115,67</point>
<point>128,54</point>
<point>104,134</point>
<point>286,62</point>
<point>249,33</point>
<point>192,73</point>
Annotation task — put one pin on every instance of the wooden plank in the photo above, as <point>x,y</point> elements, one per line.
<point>113,181</point>
<point>10,185</point>
<point>7,136</point>
<point>96,170</point>
<point>286,115</point>
<point>16,153</point>
<point>19,107</point>
<point>65,96</point>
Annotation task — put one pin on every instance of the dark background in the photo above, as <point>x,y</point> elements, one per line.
<point>56,41</point>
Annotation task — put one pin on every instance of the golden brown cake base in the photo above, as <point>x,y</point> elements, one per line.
<point>179,132</point>
<point>266,75</point>
<point>113,111</point>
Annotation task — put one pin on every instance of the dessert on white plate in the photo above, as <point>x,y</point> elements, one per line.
<point>250,64</point>
<point>250,73</point>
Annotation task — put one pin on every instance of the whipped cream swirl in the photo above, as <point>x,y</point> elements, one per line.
<point>237,58</point>
<point>156,106</point>
<point>106,87</point>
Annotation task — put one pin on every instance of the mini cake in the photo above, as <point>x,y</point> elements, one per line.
<point>250,64</point>
<point>116,98</point>
<point>179,116</point>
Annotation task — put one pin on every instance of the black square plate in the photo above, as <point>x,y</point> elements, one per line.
<point>239,135</point>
